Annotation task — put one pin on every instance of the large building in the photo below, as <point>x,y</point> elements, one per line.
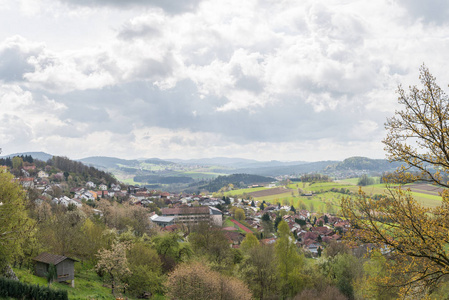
<point>191,215</point>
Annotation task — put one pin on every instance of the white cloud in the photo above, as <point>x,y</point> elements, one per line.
<point>291,79</point>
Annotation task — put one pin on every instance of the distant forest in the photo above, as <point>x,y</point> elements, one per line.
<point>66,165</point>
<point>238,180</point>
<point>163,179</point>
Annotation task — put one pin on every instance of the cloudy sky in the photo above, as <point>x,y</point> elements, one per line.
<point>264,79</point>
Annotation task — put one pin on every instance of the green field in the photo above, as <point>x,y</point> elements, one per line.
<point>324,200</point>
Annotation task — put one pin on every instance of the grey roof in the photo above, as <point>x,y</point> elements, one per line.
<point>161,219</point>
<point>49,258</point>
<point>215,211</point>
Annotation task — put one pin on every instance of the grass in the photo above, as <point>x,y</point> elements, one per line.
<point>324,199</point>
<point>88,285</point>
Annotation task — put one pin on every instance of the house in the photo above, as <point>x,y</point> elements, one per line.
<point>27,182</point>
<point>103,187</point>
<point>29,168</point>
<point>90,184</point>
<point>65,266</point>
<point>42,174</point>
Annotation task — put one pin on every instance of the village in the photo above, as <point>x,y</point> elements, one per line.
<point>174,212</point>
<point>85,219</point>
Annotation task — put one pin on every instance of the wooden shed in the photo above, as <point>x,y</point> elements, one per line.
<point>65,266</point>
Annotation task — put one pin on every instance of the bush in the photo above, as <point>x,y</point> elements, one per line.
<point>19,290</point>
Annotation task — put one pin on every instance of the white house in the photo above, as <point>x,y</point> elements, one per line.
<point>42,174</point>
<point>90,184</point>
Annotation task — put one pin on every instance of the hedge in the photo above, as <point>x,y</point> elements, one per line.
<point>20,290</point>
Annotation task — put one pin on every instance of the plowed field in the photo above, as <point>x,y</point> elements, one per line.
<point>270,192</point>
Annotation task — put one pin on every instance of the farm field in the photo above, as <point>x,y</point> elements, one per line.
<point>269,192</point>
<point>326,200</point>
<point>244,191</point>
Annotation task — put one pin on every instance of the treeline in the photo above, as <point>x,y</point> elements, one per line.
<point>8,160</point>
<point>364,163</point>
<point>154,179</point>
<point>88,173</point>
<point>315,177</point>
<point>237,180</point>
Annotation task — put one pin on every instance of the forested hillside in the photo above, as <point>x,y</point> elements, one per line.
<point>237,180</point>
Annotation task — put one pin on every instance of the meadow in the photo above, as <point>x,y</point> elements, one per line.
<point>88,285</point>
<point>326,196</point>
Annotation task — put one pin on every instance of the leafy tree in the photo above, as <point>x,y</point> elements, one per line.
<point>211,242</point>
<point>14,222</point>
<point>372,285</point>
<point>239,214</point>
<point>259,271</point>
<point>291,278</point>
<point>365,180</point>
<point>145,266</point>
<point>17,162</point>
<point>249,242</point>
<point>418,136</point>
<point>276,222</point>
<point>196,281</point>
<point>170,249</point>
<point>94,236</point>
<point>114,264</point>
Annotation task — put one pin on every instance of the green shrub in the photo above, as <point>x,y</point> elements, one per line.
<point>17,289</point>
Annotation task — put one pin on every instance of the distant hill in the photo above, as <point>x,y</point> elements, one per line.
<point>314,167</point>
<point>236,162</point>
<point>358,163</point>
<point>238,180</point>
<point>35,155</point>
<point>157,161</point>
<point>113,162</point>
<point>108,162</point>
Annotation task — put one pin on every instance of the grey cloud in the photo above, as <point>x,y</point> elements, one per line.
<point>249,83</point>
<point>140,104</point>
<point>430,11</point>
<point>16,129</point>
<point>130,32</point>
<point>169,6</point>
<point>153,69</point>
<point>14,64</point>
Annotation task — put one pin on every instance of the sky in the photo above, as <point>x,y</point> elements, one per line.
<point>285,80</point>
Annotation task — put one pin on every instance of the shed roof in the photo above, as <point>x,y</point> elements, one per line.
<point>49,258</point>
